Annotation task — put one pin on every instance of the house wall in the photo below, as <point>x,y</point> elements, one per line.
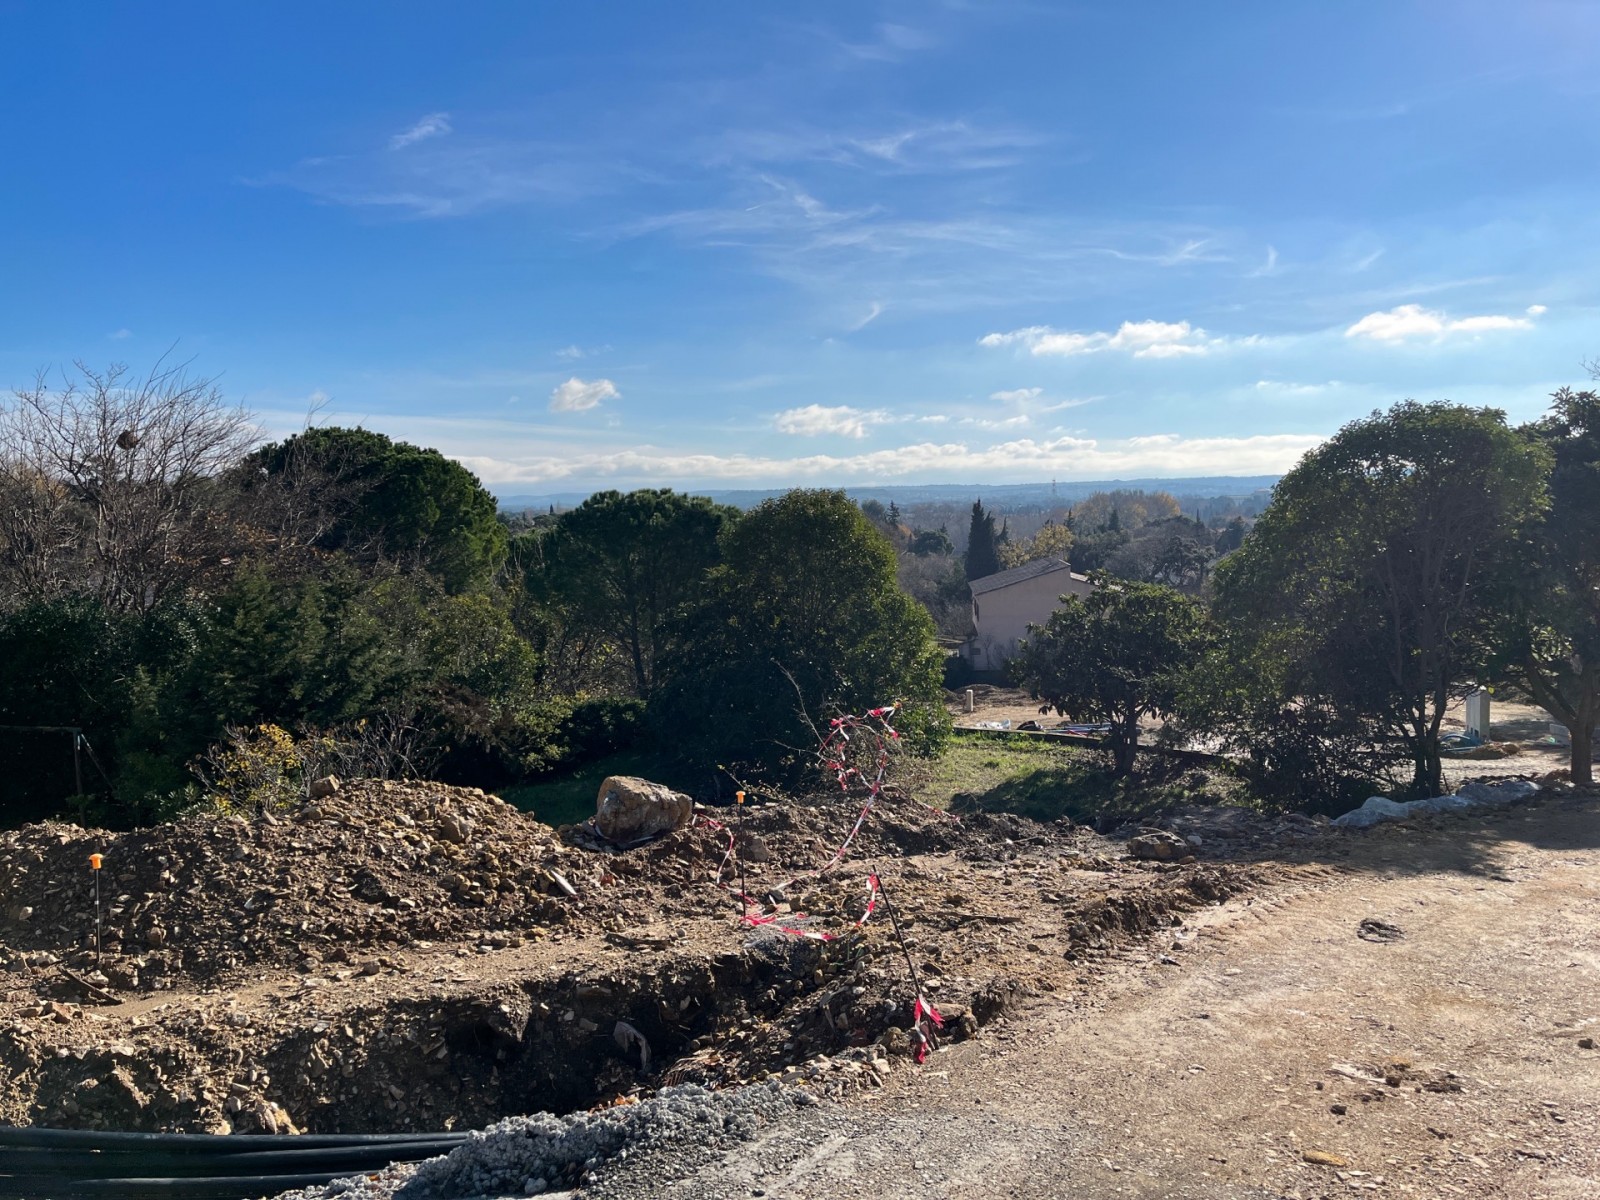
<point>1000,618</point>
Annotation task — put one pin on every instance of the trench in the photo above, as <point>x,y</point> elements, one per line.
<point>422,1064</point>
<point>427,1067</point>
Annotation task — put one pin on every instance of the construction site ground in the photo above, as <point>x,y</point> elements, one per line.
<point>415,957</point>
<point>1265,1050</point>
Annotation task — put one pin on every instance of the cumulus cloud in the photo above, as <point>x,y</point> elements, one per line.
<point>838,419</point>
<point>577,395</point>
<point>1067,457</point>
<point>1407,322</point>
<point>431,126</point>
<point>1142,339</point>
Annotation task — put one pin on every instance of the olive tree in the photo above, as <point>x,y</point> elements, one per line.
<point>1114,656</point>
<point>1374,559</point>
<point>1545,638</point>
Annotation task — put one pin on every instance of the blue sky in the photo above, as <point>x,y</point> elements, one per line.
<point>762,244</point>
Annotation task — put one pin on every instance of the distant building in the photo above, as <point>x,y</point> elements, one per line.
<point>1004,605</point>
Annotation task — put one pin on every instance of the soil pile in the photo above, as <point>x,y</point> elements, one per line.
<point>374,866</point>
<point>413,956</point>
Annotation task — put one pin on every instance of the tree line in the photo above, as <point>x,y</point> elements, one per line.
<point>1416,554</point>
<point>198,604</point>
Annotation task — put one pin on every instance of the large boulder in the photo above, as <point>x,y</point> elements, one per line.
<point>1159,845</point>
<point>630,809</point>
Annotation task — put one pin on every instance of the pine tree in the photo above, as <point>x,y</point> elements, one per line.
<point>983,550</point>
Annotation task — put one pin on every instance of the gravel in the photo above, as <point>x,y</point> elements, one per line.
<point>543,1154</point>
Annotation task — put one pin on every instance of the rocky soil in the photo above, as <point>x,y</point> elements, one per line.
<point>410,957</point>
<point>417,957</point>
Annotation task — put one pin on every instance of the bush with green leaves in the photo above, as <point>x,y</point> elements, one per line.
<point>1114,656</point>
<point>803,620</point>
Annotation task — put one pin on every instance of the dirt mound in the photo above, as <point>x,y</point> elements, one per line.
<point>374,866</point>
<point>415,956</point>
<point>378,866</point>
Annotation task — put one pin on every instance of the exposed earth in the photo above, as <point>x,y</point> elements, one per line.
<point>1299,1011</point>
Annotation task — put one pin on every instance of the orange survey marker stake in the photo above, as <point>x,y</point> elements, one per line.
<point>94,865</point>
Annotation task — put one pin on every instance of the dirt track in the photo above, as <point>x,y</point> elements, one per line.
<point>1444,1063</point>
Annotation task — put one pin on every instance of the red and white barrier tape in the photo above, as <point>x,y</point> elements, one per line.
<point>922,1035</point>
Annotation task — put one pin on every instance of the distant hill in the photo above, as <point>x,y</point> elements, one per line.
<point>998,496</point>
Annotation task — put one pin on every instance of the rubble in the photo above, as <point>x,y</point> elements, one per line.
<point>1467,796</point>
<point>402,957</point>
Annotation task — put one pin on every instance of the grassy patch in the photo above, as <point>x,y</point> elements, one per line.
<point>1045,781</point>
<point>568,799</point>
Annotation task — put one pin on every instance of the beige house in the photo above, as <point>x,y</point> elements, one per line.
<point>1004,605</point>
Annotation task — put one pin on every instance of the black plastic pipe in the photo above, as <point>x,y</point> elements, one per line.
<point>230,1143</point>
<point>216,1187</point>
<point>76,1162</point>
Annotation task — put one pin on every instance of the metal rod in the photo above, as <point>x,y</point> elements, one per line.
<point>744,892</point>
<point>894,919</point>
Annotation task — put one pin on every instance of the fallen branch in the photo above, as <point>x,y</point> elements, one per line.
<point>98,993</point>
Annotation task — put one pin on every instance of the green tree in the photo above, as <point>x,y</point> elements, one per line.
<point>383,499</point>
<point>304,649</point>
<point>930,541</point>
<point>1545,639</point>
<point>1231,537</point>
<point>1115,656</point>
<point>1052,541</point>
<point>983,544</point>
<point>803,618</point>
<point>1372,558</point>
<point>630,565</point>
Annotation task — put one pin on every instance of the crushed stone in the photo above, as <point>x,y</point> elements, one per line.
<point>546,1154</point>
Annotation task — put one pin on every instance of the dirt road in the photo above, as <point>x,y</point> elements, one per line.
<point>1265,1049</point>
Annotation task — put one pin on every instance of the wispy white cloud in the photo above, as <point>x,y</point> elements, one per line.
<point>1068,457</point>
<point>442,177</point>
<point>1141,339</point>
<point>120,334</point>
<point>574,352</point>
<point>873,314</point>
<point>1016,395</point>
<point>925,147</point>
<point>840,420</point>
<point>889,43</point>
<point>1191,250</point>
<point>1270,266</point>
<point>431,126</point>
<point>1015,422</point>
<point>1278,388</point>
<point>1412,322</point>
<point>577,395</point>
